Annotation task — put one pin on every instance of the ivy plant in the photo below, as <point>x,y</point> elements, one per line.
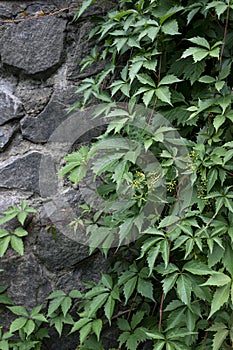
<point>170,283</point>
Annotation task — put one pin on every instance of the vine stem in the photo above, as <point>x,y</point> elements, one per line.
<point>223,46</point>
<point>37,15</point>
<point>161,312</point>
<point>224,41</point>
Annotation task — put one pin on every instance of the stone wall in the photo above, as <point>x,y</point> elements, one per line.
<point>39,73</point>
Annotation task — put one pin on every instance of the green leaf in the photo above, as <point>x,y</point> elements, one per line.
<point>3,233</point>
<point>29,327</point>
<point>134,69</point>
<point>224,102</point>
<point>169,79</point>
<point>75,294</point>
<point>17,324</point>
<point>97,303</point>
<point>57,322</point>
<point>22,217</point>
<point>219,85</point>
<point>200,41</point>
<point>18,310</point>
<point>129,288</point>
<point>4,243</point>
<point>20,232</point>
<point>155,335</point>
<point>219,6</point>
<point>137,318</point>
<point>147,97</point>
<point>78,174</point>
<point>197,268</point>
<point>54,305</point>
<point>168,221</point>
<point>56,294</point>
<point>218,121</point>
<point>169,282</point>
<point>152,256</point>
<point>212,178</point>
<point>220,297</point>
<point>164,94</point>
<point>109,308</point>
<point>206,79</point>
<point>145,288</point>
<point>171,27</point>
<point>84,6</point>
<point>200,55</point>
<point>17,245</point>
<point>146,79</point>
<point>84,331</point>
<point>217,279</point>
<point>184,289</point>
<point>79,324</point>
<point>66,305</point>
<point>219,338</point>
<point>97,327</point>
<point>8,217</point>
<point>225,72</point>
<point>123,324</point>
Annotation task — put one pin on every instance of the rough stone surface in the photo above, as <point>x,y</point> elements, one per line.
<point>6,134</point>
<point>21,172</point>
<point>34,98</point>
<point>33,46</point>
<point>39,129</point>
<point>10,105</point>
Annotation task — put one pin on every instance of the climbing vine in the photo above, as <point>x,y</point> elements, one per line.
<point>166,89</point>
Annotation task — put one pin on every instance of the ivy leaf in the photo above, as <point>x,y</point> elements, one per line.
<point>197,268</point>
<point>219,338</point>
<point>147,97</point>
<point>79,324</point>
<point>212,178</point>
<point>217,279</point>
<point>4,243</point>
<point>200,41</point>
<point>169,282</point>
<point>97,327</point>
<point>171,27</point>
<point>163,93</point>
<point>83,8</point>
<point>97,303</point>
<point>220,297</point>
<point>54,305</point>
<point>18,310</point>
<point>218,121</point>
<point>169,79</point>
<point>145,288</point>
<point>137,318</point>
<point>84,331</point>
<point>184,289</point>
<point>146,79</point>
<point>129,288</point>
<point>17,245</point>
<point>18,324</point>
<point>168,221</point>
<point>20,232</point>
<point>29,327</point>
<point>65,305</point>
<point>152,256</point>
<point>123,324</point>
<point>109,308</point>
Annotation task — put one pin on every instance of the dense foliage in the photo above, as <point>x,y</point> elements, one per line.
<point>172,286</point>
